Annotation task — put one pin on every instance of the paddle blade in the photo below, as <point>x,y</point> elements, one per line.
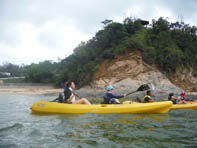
<point>143,87</point>
<point>152,87</point>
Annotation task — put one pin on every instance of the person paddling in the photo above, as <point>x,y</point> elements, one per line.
<point>175,100</point>
<point>69,95</point>
<point>110,98</point>
<point>148,97</point>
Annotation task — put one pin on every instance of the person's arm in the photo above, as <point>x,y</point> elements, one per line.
<point>117,97</point>
<point>174,98</point>
<point>72,98</point>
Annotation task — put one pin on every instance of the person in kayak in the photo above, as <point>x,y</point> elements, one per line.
<point>175,100</point>
<point>110,98</point>
<point>183,98</point>
<point>148,97</point>
<point>69,95</point>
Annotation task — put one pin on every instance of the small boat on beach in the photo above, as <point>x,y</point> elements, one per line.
<point>134,108</point>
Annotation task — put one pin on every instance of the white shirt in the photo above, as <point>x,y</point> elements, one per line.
<point>72,95</point>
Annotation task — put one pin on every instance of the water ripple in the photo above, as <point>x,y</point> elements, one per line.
<point>12,127</point>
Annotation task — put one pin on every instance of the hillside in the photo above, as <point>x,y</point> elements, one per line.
<point>162,52</point>
<point>132,52</point>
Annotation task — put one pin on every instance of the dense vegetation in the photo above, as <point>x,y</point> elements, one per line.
<point>14,70</point>
<point>43,72</point>
<point>169,46</point>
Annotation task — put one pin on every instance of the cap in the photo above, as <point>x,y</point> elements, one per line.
<point>109,87</point>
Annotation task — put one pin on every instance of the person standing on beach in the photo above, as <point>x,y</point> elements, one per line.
<point>69,95</point>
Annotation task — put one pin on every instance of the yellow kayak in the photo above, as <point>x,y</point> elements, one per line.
<point>188,105</point>
<point>61,108</point>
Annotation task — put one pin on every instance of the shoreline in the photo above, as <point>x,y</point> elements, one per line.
<point>30,91</point>
<point>85,92</point>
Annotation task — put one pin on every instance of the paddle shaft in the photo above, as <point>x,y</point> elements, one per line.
<point>131,92</point>
<point>142,89</point>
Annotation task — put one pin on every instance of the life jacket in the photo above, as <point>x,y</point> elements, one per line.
<point>183,95</point>
<point>109,98</point>
<point>67,94</point>
<point>173,101</point>
<point>149,99</point>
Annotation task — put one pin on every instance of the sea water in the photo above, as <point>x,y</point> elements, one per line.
<point>19,128</point>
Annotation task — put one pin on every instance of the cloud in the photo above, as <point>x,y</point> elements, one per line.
<point>34,30</point>
<point>41,43</point>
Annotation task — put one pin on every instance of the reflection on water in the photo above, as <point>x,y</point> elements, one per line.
<point>19,128</point>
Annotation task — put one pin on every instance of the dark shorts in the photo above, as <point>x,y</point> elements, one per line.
<point>175,102</point>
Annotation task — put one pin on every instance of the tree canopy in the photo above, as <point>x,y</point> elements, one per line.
<point>13,69</point>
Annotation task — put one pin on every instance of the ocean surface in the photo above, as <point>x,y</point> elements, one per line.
<point>19,128</point>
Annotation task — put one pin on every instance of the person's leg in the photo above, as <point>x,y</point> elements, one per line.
<point>117,101</point>
<point>82,101</point>
<point>182,102</point>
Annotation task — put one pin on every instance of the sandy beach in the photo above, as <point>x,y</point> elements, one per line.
<point>29,89</point>
<point>43,89</point>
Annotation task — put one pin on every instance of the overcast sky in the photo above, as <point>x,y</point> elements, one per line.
<point>37,30</point>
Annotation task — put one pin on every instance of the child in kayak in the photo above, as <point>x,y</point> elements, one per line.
<point>148,97</point>
<point>110,98</point>
<point>175,100</point>
<point>182,96</point>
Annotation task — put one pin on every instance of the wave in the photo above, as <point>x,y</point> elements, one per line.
<point>15,126</point>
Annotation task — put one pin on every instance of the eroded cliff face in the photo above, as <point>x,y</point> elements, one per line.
<point>128,72</point>
<point>184,79</point>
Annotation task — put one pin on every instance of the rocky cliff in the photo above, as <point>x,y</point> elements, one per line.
<point>129,71</point>
<point>184,79</point>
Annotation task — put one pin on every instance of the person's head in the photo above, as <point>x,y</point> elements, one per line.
<point>171,94</point>
<point>109,88</point>
<point>182,93</point>
<point>70,84</point>
<point>149,92</point>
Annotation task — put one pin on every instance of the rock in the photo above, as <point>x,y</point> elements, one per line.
<point>127,72</point>
<point>184,78</point>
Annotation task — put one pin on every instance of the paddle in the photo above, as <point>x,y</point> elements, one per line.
<point>59,99</point>
<point>141,88</point>
<point>152,87</point>
<point>77,95</point>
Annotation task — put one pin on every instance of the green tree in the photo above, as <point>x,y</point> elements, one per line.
<point>44,72</point>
